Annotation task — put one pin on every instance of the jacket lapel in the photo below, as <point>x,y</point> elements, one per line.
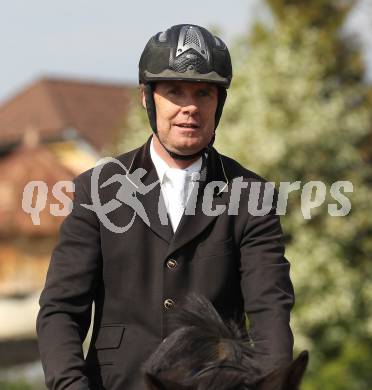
<point>152,201</point>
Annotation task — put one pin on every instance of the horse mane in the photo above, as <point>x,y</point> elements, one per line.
<point>202,345</point>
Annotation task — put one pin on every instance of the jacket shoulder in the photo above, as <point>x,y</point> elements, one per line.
<point>234,169</point>
<point>111,165</point>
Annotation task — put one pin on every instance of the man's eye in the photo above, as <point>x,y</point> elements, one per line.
<point>175,92</point>
<point>204,93</point>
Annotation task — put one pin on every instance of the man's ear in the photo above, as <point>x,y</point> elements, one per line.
<point>143,98</point>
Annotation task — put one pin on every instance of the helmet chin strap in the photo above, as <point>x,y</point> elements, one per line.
<point>151,112</point>
<point>186,157</point>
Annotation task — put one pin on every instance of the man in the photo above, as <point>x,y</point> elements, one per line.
<point>137,277</point>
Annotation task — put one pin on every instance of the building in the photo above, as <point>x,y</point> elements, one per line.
<point>49,132</point>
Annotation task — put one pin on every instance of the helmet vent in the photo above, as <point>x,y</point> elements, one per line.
<point>191,37</point>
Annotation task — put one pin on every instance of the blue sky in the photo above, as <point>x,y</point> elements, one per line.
<point>102,40</point>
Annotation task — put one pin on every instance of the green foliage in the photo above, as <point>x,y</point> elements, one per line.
<point>349,370</point>
<point>324,14</point>
<point>19,385</point>
<point>298,111</point>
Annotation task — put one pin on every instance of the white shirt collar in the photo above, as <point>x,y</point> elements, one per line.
<point>161,166</point>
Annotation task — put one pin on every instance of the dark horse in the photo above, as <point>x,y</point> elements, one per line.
<point>207,353</point>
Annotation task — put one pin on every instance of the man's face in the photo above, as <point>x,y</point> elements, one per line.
<point>185,113</point>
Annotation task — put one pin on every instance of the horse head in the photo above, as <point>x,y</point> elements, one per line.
<point>204,352</point>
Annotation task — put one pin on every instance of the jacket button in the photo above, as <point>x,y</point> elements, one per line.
<point>172,264</point>
<point>169,303</point>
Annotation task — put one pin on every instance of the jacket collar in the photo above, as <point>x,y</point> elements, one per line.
<point>215,167</point>
<point>190,225</point>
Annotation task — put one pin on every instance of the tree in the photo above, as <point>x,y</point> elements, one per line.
<point>298,111</point>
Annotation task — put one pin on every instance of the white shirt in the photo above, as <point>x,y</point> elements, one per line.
<point>175,198</point>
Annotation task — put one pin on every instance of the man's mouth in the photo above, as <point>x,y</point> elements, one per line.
<point>188,125</point>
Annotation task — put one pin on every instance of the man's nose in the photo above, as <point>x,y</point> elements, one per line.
<point>190,106</point>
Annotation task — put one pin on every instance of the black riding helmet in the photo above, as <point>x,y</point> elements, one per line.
<point>190,53</point>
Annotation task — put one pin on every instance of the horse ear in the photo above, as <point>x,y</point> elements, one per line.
<point>152,383</point>
<point>155,383</point>
<point>296,371</point>
<point>286,378</point>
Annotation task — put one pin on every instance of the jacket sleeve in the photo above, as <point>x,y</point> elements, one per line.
<point>66,300</point>
<point>267,288</point>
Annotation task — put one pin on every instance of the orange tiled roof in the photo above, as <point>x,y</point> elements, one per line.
<point>16,170</point>
<point>50,106</point>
